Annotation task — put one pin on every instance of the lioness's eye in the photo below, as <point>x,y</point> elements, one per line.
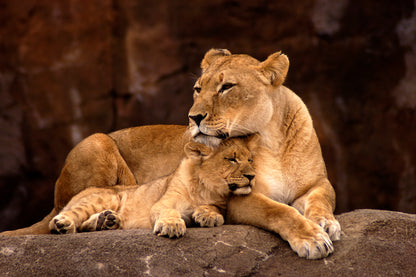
<point>225,87</point>
<point>250,160</point>
<point>197,89</point>
<point>233,160</point>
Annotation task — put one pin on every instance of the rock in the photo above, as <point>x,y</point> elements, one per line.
<point>373,243</point>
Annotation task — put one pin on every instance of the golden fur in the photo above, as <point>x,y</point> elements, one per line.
<point>196,192</point>
<point>235,95</point>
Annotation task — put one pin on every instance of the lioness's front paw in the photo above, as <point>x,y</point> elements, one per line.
<point>62,224</point>
<point>314,243</point>
<point>331,226</point>
<point>171,227</point>
<point>207,218</point>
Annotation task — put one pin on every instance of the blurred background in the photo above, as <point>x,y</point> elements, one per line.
<point>72,68</point>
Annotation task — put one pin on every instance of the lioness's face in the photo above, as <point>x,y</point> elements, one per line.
<point>231,98</point>
<point>229,168</point>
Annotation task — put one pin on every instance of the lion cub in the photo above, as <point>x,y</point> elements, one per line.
<point>196,192</point>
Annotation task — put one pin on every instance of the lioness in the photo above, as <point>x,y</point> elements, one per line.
<point>196,192</point>
<point>236,95</point>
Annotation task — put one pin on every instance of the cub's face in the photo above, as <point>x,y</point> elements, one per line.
<point>232,96</point>
<point>228,168</point>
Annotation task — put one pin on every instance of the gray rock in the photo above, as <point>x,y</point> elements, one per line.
<point>373,243</point>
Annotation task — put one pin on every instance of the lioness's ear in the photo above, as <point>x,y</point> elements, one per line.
<point>212,55</point>
<point>195,150</point>
<point>275,68</point>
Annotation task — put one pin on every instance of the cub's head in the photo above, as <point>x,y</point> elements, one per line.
<point>227,168</point>
<point>233,95</point>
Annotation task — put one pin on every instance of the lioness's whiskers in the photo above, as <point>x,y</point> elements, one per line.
<point>234,122</point>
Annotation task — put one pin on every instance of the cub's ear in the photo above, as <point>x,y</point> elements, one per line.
<point>195,150</point>
<point>252,142</point>
<point>275,68</point>
<point>212,55</point>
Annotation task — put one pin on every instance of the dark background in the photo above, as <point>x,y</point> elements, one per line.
<point>72,68</point>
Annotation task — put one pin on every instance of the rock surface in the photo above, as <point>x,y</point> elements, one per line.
<point>373,243</point>
<point>72,68</point>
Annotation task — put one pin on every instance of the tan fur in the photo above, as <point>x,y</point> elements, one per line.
<point>235,95</point>
<point>196,192</point>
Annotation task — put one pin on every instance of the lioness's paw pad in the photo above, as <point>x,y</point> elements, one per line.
<point>108,220</point>
<point>171,227</point>
<point>61,224</point>
<point>208,218</point>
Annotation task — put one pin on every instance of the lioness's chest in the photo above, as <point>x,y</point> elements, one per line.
<point>271,179</point>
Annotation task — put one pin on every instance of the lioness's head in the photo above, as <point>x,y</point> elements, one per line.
<point>224,169</point>
<point>232,96</point>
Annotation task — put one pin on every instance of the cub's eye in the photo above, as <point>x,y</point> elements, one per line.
<point>232,160</point>
<point>197,89</point>
<point>250,161</point>
<point>225,87</point>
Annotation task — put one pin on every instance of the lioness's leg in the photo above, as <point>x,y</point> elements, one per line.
<point>82,207</point>
<point>304,236</point>
<point>94,162</point>
<point>208,216</point>
<point>318,205</point>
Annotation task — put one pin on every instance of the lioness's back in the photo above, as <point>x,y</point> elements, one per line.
<point>150,149</point>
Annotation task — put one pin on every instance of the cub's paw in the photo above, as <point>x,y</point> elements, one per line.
<point>108,220</point>
<point>207,218</point>
<point>312,243</point>
<point>331,227</point>
<point>62,224</point>
<point>171,227</point>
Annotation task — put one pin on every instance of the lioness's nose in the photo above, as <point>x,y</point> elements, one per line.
<point>249,176</point>
<point>197,118</point>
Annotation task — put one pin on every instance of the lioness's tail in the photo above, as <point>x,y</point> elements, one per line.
<point>41,227</point>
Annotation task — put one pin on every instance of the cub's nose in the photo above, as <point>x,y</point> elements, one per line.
<point>197,118</point>
<point>249,176</point>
